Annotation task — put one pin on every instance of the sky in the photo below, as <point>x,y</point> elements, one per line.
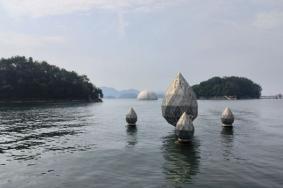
<point>142,44</point>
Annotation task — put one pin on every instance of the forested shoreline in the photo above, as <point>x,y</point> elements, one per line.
<point>23,79</point>
<point>235,87</point>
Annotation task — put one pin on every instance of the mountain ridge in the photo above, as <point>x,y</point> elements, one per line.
<point>110,92</point>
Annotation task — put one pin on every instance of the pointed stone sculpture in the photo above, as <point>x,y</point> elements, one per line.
<point>185,128</point>
<point>179,98</point>
<point>131,117</point>
<point>227,118</point>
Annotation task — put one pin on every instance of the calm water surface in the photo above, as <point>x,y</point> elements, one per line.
<point>88,145</point>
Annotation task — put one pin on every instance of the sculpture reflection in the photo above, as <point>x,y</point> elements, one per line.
<point>228,131</point>
<point>181,160</point>
<point>131,135</point>
<point>227,137</point>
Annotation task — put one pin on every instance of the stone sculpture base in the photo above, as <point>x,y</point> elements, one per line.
<point>172,114</point>
<point>184,141</point>
<point>131,125</point>
<point>185,136</point>
<point>227,121</point>
<point>227,125</point>
<point>131,121</point>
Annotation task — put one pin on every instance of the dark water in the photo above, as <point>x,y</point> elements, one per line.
<point>88,145</point>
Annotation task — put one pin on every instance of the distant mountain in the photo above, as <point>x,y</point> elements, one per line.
<point>110,92</point>
<point>128,93</point>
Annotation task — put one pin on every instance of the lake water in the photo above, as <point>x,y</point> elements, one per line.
<point>89,145</point>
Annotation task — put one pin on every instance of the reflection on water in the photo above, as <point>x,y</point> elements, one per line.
<point>24,128</point>
<point>131,135</point>
<point>87,145</point>
<point>182,160</point>
<point>227,137</point>
<point>227,132</point>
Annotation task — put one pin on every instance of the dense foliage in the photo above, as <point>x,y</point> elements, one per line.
<point>26,79</point>
<point>241,88</point>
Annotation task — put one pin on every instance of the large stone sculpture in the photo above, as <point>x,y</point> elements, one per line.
<point>185,128</point>
<point>227,118</point>
<point>147,95</point>
<point>179,98</point>
<point>131,117</point>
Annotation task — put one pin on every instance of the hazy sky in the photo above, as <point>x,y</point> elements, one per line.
<point>144,43</point>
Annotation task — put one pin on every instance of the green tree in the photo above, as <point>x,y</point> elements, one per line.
<point>23,78</point>
<point>240,87</point>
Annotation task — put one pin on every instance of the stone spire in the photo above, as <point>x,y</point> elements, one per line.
<point>185,128</point>
<point>227,117</point>
<point>179,98</point>
<point>131,117</point>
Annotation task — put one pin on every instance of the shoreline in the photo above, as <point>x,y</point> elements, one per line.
<point>49,101</point>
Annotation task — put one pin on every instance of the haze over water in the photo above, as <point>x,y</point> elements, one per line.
<point>89,145</point>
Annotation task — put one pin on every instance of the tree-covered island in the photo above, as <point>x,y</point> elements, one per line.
<point>228,87</point>
<point>23,79</point>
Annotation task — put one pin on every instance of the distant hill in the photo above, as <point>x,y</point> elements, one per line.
<point>109,92</point>
<point>129,93</point>
<point>231,87</point>
<point>24,79</point>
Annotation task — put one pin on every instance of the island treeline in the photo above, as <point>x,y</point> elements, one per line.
<point>23,78</point>
<point>236,87</point>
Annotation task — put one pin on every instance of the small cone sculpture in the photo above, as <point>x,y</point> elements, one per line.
<point>179,98</point>
<point>227,118</point>
<point>131,117</point>
<point>185,128</point>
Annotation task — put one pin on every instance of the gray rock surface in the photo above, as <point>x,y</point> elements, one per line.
<point>185,128</point>
<point>131,117</point>
<point>227,117</point>
<point>179,98</point>
<point>147,95</point>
